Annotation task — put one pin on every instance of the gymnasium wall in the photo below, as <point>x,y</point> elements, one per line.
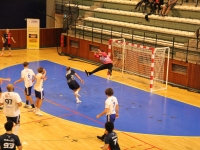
<point>180,73</point>
<point>14,12</point>
<point>49,37</point>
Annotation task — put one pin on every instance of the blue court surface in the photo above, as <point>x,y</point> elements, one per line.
<point>140,111</point>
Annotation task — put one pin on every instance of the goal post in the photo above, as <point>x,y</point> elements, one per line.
<point>141,63</point>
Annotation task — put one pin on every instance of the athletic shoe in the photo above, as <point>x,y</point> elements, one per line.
<point>31,110</point>
<point>1,108</point>
<point>78,101</point>
<point>26,106</point>
<point>86,73</point>
<point>100,138</point>
<point>38,113</point>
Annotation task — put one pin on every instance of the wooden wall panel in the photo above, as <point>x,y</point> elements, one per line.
<point>189,78</point>
<point>48,37</point>
<point>83,53</point>
<point>194,76</point>
<point>177,77</point>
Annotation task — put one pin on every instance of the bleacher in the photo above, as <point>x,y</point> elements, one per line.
<point>117,18</point>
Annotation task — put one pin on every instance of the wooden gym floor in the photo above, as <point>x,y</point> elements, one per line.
<point>49,132</point>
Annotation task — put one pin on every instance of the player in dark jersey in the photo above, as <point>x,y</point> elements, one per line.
<point>72,83</point>
<point>9,141</point>
<point>111,140</point>
<point>6,39</point>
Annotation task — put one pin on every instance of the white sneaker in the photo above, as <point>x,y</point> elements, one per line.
<point>39,113</point>
<point>78,101</point>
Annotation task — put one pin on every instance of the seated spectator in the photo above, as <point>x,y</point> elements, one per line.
<point>157,6</point>
<point>168,6</point>
<point>140,3</point>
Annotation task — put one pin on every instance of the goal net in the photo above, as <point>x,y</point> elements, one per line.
<point>141,63</point>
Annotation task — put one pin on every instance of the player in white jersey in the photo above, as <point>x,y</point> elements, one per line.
<point>111,109</point>
<point>39,91</point>
<point>11,101</point>
<point>27,75</point>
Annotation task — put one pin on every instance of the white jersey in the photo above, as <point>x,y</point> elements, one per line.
<point>10,100</point>
<point>27,74</point>
<point>39,83</point>
<point>111,103</point>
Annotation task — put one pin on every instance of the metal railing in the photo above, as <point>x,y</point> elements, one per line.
<point>190,47</point>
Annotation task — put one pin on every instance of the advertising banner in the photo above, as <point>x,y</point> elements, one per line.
<point>33,33</point>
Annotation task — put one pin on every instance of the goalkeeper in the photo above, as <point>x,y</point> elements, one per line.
<point>107,63</point>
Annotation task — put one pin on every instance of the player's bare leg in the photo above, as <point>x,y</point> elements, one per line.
<point>77,95</point>
<point>38,107</point>
<point>2,51</point>
<point>9,51</point>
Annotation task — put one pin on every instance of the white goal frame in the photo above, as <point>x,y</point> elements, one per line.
<point>154,67</point>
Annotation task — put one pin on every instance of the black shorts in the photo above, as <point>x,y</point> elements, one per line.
<point>16,119</point>
<point>73,85</point>
<point>28,91</point>
<point>6,44</point>
<point>39,94</point>
<point>0,90</point>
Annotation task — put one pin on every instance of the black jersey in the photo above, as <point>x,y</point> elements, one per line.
<point>9,141</point>
<point>112,140</point>
<point>7,38</point>
<point>70,75</point>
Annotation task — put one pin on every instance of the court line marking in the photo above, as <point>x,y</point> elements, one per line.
<point>44,59</point>
<point>75,112</point>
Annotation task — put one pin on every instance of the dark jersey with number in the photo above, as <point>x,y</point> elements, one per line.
<point>9,141</point>
<point>112,140</point>
<point>70,75</point>
<point>7,38</point>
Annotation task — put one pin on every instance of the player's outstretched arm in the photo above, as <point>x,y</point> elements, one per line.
<point>19,147</point>
<point>117,111</point>
<point>20,80</point>
<point>13,40</point>
<point>102,113</point>
<point>5,79</point>
<point>3,40</point>
<point>79,78</point>
<point>105,147</point>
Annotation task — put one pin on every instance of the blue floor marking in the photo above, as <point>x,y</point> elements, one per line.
<point>140,111</point>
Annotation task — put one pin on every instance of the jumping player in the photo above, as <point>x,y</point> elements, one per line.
<point>111,109</point>
<point>107,63</point>
<point>111,140</point>
<point>11,101</point>
<point>9,141</point>
<point>28,76</point>
<point>39,91</point>
<point>73,85</point>
<point>6,39</point>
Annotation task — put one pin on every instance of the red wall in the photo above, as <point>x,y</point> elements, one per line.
<point>47,37</point>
